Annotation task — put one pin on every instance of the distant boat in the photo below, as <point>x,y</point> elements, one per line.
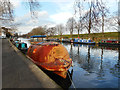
<point>37,38</point>
<point>111,42</point>
<point>20,45</point>
<point>50,56</point>
<point>23,47</point>
<point>83,41</point>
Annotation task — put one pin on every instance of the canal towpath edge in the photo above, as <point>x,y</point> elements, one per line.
<point>19,72</point>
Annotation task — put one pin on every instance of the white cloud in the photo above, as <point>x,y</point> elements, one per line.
<point>16,3</point>
<point>64,12</point>
<point>25,29</point>
<point>27,17</point>
<point>43,14</point>
<point>27,23</point>
<point>61,17</point>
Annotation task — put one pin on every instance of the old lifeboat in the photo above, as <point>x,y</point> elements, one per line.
<point>51,56</point>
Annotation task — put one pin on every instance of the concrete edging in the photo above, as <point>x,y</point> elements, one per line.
<point>45,80</point>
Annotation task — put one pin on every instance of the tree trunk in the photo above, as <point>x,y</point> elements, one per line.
<point>102,23</point>
<point>88,58</point>
<point>89,28</point>
<point>71,34</point>
<point>78,31</point>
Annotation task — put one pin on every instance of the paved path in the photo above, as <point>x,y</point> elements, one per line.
<point>17,72</point>
<point>0,64</point>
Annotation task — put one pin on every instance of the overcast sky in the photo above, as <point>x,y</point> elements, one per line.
<point>52,12</point>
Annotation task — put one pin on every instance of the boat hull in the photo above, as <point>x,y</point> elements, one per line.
<point>51,56</point>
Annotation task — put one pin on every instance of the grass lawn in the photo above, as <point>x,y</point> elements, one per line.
<point>94,36</point>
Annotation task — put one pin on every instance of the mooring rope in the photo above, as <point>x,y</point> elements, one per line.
<point>71,81</point>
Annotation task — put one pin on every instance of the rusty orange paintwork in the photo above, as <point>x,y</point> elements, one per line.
<point>51,56</point>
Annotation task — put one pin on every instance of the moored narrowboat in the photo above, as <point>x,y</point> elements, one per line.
<point>110,42</point>
<point>50,56</point>
<point>16,43</point>
<point>66,40</point>
<point>83,41</point>
<point>37,38</point>
<point>23,47</point>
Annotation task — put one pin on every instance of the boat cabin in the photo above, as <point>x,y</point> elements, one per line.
<point>37,38</point>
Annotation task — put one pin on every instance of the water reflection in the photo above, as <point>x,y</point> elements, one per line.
<point>84,60</point>
<point>101,71</point>
<point>94,64</point>
<point>94,67</point>
<point>116,69</point>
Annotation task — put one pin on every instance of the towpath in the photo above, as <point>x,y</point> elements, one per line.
<point>20,72</point>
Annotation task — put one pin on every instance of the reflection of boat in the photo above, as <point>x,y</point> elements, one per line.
<point>51,56</point>
<point>80,45</point>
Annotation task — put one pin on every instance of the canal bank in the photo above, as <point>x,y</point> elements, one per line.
<point>93,36</point>
<point>19,72</point>
<point>94,67</point>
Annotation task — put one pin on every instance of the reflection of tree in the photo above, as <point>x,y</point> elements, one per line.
<point>78,52</point>
<point>71,51</point>
<point>101,72</point>
<point>88,55</point>
<point>118,58</point>
<point>88,66</point>
<point>116,69</point>
<point>88,59</point>
<point>77,56</point>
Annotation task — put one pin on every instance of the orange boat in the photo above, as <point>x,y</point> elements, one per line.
<point>51,56</point>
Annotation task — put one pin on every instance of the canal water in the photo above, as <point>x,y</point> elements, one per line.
<point>93,67</point>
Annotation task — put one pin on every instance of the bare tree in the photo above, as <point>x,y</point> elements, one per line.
<point>59,29</point>
<point>118,21</point>
<point>33,5</point>
<point>91,17</point>
<point>7,10</point>
<point>112,23</point>
<point>94,17</point>
<point>103,12</point>
<point>71,24</point>
<point>51,31</point>
<point>78,8</point>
